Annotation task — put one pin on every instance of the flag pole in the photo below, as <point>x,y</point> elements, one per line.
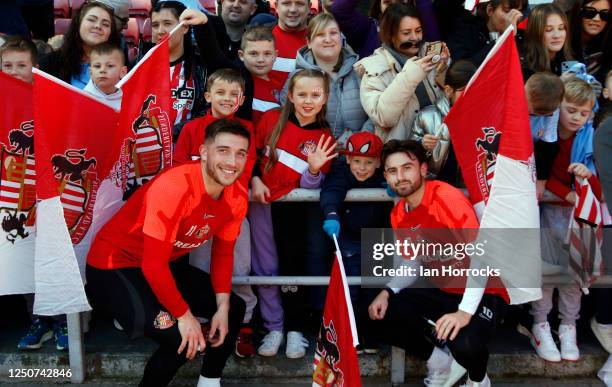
<point>347,294</point>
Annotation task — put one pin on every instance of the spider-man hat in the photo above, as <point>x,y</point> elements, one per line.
<point>364,144</point>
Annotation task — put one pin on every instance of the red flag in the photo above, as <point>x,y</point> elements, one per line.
<point>335,362</point>
<point>489,127</point>
<point>17,187</point>
<point>76,149</point>
<point>146,111</point>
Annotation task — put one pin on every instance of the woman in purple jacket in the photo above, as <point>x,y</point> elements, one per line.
<point>361,31</point>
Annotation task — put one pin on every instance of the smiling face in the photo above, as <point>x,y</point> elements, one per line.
<point>554,35</point>
<point>362,167</point>
<point>237,12</point>
<point>258,57</point>
<point>308,98</point>
<point>409,33</point>
<point>224,158</point>
<point>595,25</point>
<point>326,43</point>
<point>224,98</point>
<point>162,23</point>
<point>95,26</point>
<point>292,14</point>
<point>404,174</point>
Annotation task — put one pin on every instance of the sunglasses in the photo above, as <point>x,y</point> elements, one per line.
<point>590,13</point>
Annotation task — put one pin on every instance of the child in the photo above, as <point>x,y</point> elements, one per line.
<point>544,93</point>
<point>607,91</point>
<point>575,111</point>
<point>361,169</point>
<point>297,148</point>
<point>106,68</point>
<point>18,56</point>
<point>225,93</point>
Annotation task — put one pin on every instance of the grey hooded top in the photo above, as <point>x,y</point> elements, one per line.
<point>345,113</point>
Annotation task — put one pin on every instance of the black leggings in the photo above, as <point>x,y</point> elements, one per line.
<point>126,295</point>
<point>405,326</point>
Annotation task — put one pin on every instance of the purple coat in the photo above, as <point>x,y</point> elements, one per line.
<point>361,31</point>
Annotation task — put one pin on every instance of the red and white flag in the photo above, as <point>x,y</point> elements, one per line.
<point>489,127</point>
<point>146,111</point>
<point>17,187</point>
<point>585,235</point>
<point>75,150</point>
<point>335,362</point>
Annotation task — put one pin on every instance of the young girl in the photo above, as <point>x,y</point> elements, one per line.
<point>546,41</point>
<point>297,148</point>
<point>433,135</point>
<point>572,160</point>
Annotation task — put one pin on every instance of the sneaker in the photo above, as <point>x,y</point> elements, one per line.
<point>543,342</point>
<point>270,343</point>
<point>603,332</point>
<point>117,325</point>
<point>60,331</point>
<point>456,372</point>
<point>438,368</point>
<point>569,347</point>
<point>296,345</point>
<point>38,333</point>
<point>486,382</point>
<point>244,343</point>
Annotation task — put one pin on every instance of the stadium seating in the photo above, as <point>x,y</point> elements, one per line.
<point>61,9</point>
<point>61,26</point>
<point>140,8</point>
<point>210,6</point>
<point>132,33</point>
<point>76,5</point>
<point>146,30</point>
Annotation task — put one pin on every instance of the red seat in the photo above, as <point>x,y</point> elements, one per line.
<point>314,7</point>
<point>132,33</point>
<point>61,9</point>
<point>147,31</point>
<point>273,7</point>
<point>61,26</point>
<point>76,5</point>
<point>210,6</point>
<point>140,8</point>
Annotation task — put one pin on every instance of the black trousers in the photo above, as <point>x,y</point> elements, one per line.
<point>126,295</point>
<point>405,326</point>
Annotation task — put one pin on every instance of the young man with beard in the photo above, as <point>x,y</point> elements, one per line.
<point>464,317</point>
<point>133,270</point>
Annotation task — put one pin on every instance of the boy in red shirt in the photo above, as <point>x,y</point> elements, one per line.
<point>133,269</point>
<point>424,206</point>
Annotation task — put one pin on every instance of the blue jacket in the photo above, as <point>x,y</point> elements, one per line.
<point>353,216</point>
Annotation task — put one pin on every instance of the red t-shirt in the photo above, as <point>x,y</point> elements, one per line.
<point>187,146</point>
<point>444,215</point>
<point>174,209</point>
<point>266,95</point>
<point>292,147</point>
<point>287,43</point>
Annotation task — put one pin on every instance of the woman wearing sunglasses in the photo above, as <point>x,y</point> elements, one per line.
<point>591,37</point>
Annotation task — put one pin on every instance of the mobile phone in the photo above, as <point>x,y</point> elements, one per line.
<point>434,48</point>
<point>565,66</point>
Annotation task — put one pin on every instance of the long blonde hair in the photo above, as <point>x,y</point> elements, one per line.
<point>536,55</point>
<point>289,109</point>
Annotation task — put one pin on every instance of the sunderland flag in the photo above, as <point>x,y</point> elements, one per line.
<point>585,236</point>
<point>335,362</point>
<point>489,127</point>
<point>17,187</point>
<point>75,150</point>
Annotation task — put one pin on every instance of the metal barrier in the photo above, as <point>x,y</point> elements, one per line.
<point>75,326</point>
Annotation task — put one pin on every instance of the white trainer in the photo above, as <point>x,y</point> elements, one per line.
<point>603,332</point>
<point>270,343</point>
<point>569,347</point>
<point>486,382</point>
<point>456,372</point>
<point>543,342</point>
<point>296,345</point>
<point>438,368</point>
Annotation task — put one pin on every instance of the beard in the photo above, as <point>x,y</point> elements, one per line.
<point>213,172</point>
<point>405,188</point>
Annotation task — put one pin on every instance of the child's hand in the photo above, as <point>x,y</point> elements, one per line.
<point>579,170</point>
<point>320,155</point>
<point>571,198</point>
<point>331,228</point>
<point>540,187</point>
<point>192,17</point>
<point>429,142</point>
<point>259,190</point>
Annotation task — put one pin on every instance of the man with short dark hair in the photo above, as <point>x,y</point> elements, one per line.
<point>435,212</point>
<point>236,15</point>
<point>134,269</point>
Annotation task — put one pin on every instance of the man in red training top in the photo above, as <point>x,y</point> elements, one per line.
<point>463,317</point>
<point>133,270</point>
